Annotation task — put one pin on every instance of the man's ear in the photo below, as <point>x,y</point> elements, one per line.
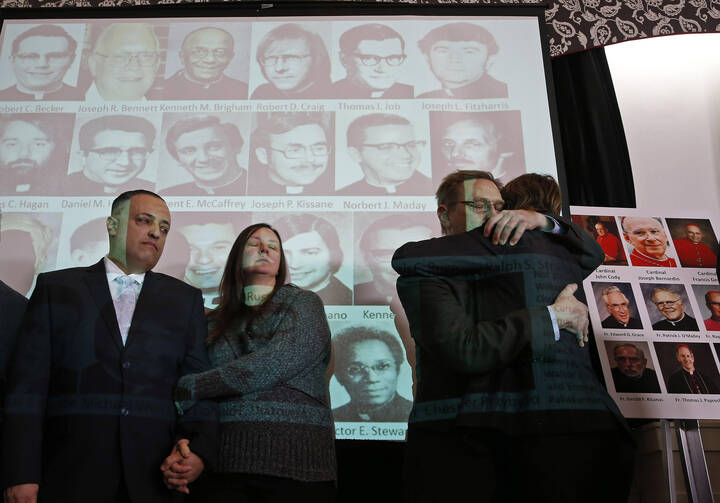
<point>112,224</point>
<point>262,155</point>
<point>627,238</point>
<point>354,154</point>
<point>442,213</point>
<point>344,59</point>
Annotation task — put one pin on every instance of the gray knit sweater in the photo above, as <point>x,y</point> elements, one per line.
<point>275,414</point>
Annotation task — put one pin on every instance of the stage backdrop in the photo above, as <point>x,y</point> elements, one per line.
<point>335,130</point>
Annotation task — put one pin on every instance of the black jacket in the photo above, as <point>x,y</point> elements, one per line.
<point>84,413</point>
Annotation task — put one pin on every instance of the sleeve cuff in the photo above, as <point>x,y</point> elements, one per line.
<point>553,319</point>
<point>558,228</point>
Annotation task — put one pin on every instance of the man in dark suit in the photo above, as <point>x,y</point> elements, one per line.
<point>12,307</point>
<point>503,386</point>
<point>89,409</point>
<point>373,55</point>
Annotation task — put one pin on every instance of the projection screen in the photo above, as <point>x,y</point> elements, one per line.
<point>334,129</point>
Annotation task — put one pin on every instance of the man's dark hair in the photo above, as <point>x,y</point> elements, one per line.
<point>447,191</point>
<point>344,341</point>
<point>44,30</point>
<point>459,32</point>
<point>400,222</point>
<point>90,232</point>
<point>179,128</point>
<point>320,67</point>
<point>49,127</point>
<point>533,191</point>
<point>350,40</point>
<point>127,123</point>
<point>126,196</point>
<point>356,129</point>
<point>292,225</point>
<point>282,122</point>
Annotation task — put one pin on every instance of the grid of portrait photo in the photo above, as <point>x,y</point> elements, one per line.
<point>655,310</point>
<point>335,130</point>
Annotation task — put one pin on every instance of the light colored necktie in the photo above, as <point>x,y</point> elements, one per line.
<point>125,304</point>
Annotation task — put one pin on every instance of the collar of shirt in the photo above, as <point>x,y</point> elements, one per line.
<point>38,95</point>
<point>112,271</point>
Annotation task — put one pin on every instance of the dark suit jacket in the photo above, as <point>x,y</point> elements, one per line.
<point>486,353</point>
<point>12,307</point>
<point>84,413</point>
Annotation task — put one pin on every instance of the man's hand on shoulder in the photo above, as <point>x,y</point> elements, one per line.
<point>181,467</point>
<point>23,493</point>
<point>571,314</point>
<point>512,224</point>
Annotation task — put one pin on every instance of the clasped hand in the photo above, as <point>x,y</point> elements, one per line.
<point>181,467</point>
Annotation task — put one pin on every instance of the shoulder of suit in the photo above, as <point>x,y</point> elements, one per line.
<point>173,282</point>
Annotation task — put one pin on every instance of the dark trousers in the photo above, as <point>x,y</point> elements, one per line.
<point>250,488</point>
<point>489,466</point>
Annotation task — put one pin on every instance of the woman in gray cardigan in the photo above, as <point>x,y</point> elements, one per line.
<point>269,344</point>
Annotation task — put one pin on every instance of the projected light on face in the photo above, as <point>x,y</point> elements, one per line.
<point>297,157</point>
<point>206,53</point>
<point>24,147</point>
<point>471,144</point>
<point>390,153</point>
<point>138,229</point>
<point>375,64</point>
<point>287,63</point>
<point>309,260</point>
<point>478,200</point>
<point>205,153</point>
<point>371,374</point>
<point>124,61</point>
<point>458,64</point>
<point>41,62</point>
<point>210,245</point>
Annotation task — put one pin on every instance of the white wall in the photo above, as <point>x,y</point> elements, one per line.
<point>668,89</point>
